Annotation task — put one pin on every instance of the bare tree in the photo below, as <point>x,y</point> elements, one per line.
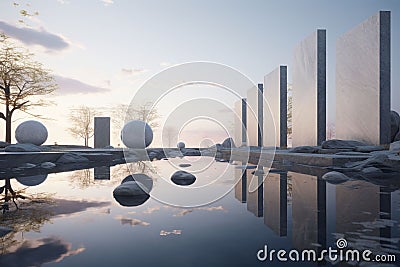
<point>23,82</point>
<point>144,112</point>
<point>82,122</point>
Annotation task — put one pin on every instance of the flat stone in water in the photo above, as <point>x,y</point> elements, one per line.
<point>304,149</point>
<point>22,148</point>
<point>183,178</point>
<point>184,165</point>
<point>130,188</point>
<point>337,143</point>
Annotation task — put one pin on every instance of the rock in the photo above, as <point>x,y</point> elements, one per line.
<point>130,189</point>
<point>394,124</point>
<point>131,201</point>
<point>395,146</point>
<point>228,143</point>
<point>22,148</point>
<point>108,147</point>
<point>375,160</point>
<point>397,137</point>
<point>68,158</point>
<point>368,149</point>
<point>183,178</point>
<point>143,180</point>
<point>180,145</point>
<point>184,165</point>
<point>4,144</point>
<point>32,180</point>
<point>27,166</point>
<point>4,231</point>
<point>47,165</point>
<point>334,177</point>
<point>31,132</point>
<point>370,170</point>
<point>304,149</point>
<point>191,152</point>
<point>137,134</point>
<point>336,143</point>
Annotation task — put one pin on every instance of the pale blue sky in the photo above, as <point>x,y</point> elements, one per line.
<point>115,45</point>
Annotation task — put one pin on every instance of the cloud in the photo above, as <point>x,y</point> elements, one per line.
<point>30,36</point>
<point>107,2</point>
<point>133,71</point>
<point>173,232</point>
<point>130,221</point>
<point>165,64</point>
<point>187,211</point>
<point>38,252</point>
<point>72,86</point>
<point>150,210</point>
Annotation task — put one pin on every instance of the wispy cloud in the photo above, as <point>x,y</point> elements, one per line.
<point>30,36</point>
<point>165,64</point>
<point>130,71</point>
<point>150,210</point>
<point>173,232</point>
<point>107,2</point>
<point>72,86</point>
<point>187,211</point>
<point>131,222</point>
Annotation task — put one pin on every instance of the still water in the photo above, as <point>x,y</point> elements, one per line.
<point>74,220</point>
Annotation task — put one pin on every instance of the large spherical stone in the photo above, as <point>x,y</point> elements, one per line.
<point>180,145</point>
<point>32,180</point>
<point>32,132</point>
<point>137,134</point>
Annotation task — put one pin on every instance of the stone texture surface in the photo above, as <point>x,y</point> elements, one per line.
<point>254,116</point>
<point>32,180</point>
<point>309,91</point>
<point>71,158</point>
<point>101,132</point>
<point>137,134</point>
<point>394,124</point>
<point>276,96</point>
<point>228,143</point>
<point>22,148</point>
<point>334,177</point>
<point>32,132</point>
<point>337,143</point>
<point>130,188</point>
<point>183,178</point>
<point>363,81</point>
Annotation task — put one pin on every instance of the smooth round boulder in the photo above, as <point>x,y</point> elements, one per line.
<point>31,132</point>
<point>334,177</point>
<point>228,143</point>
<point>183,178</point>
<point>143,180</point>
<point>130,193</point>
<point>32,180</point>
<point>180,145</point>
<point>137,134</point>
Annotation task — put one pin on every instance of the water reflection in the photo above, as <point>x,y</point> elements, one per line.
<point>275,203</point>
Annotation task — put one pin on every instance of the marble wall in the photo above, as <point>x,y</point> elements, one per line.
<point>101,132</point>
<point>275,93</point>
<point>363,81</point>
<point>309,90</point>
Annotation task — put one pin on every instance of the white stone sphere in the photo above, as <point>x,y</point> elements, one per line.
<point>137,134</point>
<point>180,145</point>
<point>31,132</point>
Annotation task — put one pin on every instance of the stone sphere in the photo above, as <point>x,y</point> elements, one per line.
<point>180,145</point>
<point>137,134</point>
<point>31,132</point>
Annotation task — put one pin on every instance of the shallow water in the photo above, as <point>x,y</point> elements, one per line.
<point>83,225</point>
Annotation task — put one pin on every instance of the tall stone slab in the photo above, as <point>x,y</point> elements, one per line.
<point>309,90</point>
<point>241,122</point>
<point>255,118</point>
<point>275,203</point>
<point>363,81</point>
<point>101,132</point>
<point>275,93</point>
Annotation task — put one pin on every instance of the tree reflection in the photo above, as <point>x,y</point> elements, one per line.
<point>82,178</point>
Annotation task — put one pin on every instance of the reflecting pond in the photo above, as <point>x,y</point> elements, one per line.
<point>72,218</point>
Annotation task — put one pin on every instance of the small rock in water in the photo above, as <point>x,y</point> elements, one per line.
<point>183,178</point>
<point>27,166</point>
<point>337,143</point>
<point>335,177</point>
<point>304,149</point>
<point>143,179</point>
<point>184,165</point>
<point>22,148</point>
<point>367,149</point>
<point>4,144</point>
<point>47,165</point>
<point>130,188</point>
<point>369,170</point>
<point>72,158</point>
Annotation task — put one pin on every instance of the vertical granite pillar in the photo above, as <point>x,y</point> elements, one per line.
<point>363,81</point>
<point>276,95</point>
<point>101,132</point>
<point>275,203</point>
<point>240,122</point>
<point>254,115</point>
<point>309,90</point>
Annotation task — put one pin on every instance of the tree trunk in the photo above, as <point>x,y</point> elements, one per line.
<point>8,129</point>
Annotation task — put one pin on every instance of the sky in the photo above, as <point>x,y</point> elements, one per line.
<point>102,51</point>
